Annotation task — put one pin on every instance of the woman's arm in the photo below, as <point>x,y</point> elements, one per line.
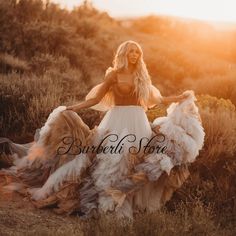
<point>156,98</point>
<point>170,99</point>
<point>84,104</point>
<point>108,81</point>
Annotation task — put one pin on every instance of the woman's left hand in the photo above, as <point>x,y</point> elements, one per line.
<point>183,97</point>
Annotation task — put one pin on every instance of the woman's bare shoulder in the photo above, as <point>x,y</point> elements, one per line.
<point>111,76</point>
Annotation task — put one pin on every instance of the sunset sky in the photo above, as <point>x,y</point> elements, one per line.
<point>212,10</point>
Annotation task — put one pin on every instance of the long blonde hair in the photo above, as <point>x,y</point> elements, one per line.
<point>142,79</point>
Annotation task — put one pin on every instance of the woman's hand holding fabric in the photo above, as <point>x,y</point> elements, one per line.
<point>72,108</point>
<point>183,97</point>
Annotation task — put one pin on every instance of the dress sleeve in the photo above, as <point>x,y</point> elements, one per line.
<point>105,103</point>
<point>155,97</point>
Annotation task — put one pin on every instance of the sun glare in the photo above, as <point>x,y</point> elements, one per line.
<point>211,10</point>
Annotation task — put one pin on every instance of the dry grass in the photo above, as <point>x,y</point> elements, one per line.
<point>20,218</point>
<point>9,63</point>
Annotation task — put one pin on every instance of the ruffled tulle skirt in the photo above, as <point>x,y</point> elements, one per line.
<point>124,165</point>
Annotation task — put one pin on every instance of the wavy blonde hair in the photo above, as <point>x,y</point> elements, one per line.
<point>142,79</point>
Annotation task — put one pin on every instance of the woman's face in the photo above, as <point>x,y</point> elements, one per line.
<point>133,54</point>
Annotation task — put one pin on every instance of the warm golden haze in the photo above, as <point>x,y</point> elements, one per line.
<point>209,10</point>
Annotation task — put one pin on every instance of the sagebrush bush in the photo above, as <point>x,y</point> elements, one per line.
<point>43,62</point>
<point>219,122</point>
<point>220,86</point>
<point>9,63</point>
<point>26,101</point>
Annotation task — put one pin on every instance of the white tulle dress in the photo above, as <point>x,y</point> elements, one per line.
<point>122,180</point>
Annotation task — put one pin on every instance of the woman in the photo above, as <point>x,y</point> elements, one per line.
<point>128,80</point>
<point>124,175</point>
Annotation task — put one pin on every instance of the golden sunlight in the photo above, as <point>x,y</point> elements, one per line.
<point>211,10</point>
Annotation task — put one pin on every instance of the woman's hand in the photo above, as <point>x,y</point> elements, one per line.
<point>183,97</point>
<point>72,108</point>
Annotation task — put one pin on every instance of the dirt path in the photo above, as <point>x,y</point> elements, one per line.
<point>19,217</point>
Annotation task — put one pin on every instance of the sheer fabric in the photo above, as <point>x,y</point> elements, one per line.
<point>108,101</point>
